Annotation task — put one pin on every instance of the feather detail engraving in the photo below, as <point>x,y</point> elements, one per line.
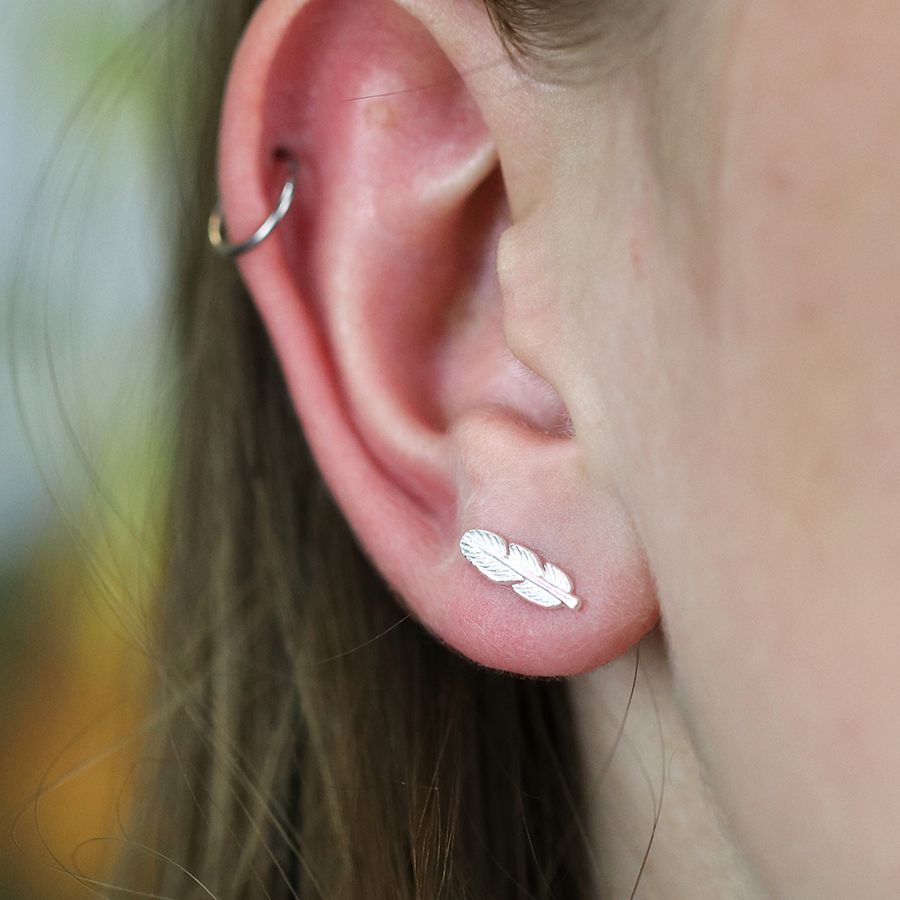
<point>507,563</point>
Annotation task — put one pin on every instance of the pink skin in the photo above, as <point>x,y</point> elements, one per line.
<point>698,270</point>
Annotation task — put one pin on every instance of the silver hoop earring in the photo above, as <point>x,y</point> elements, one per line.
<point>216,226</point>
<point>508,563</point>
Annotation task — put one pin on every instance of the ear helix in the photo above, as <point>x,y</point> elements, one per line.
<point>215,228</point>
<point>507,563</point>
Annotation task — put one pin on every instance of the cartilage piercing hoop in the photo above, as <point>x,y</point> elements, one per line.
<point>508,563</point>
<point>216,226</point>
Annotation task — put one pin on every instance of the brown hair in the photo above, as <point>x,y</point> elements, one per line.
<point>316,741</point>
<point>566,40</point>
<point>533,26</point>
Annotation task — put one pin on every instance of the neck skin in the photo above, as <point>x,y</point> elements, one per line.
<point>692,852</point>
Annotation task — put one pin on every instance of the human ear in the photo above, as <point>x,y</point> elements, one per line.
<point>380,295</point>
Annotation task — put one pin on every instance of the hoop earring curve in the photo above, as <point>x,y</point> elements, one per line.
<point>216,225</point>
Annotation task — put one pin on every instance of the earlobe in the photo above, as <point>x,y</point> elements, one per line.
<point>379,292</point>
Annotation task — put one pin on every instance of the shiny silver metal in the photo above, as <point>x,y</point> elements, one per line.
<point>216,226</point>
<point>507,563</point>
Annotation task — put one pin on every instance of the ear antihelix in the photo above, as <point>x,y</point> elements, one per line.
<point>541,583</point>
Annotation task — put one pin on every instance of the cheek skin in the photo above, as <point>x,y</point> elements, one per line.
<point>755,398</point>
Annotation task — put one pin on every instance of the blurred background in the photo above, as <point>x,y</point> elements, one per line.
<point>88,149</point>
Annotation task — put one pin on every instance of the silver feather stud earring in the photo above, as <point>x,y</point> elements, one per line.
<point>507,563</point>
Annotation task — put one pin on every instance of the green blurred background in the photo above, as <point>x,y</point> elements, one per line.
<point>89,98</point>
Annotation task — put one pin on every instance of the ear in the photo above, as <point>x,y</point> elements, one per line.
<point>380,294</point>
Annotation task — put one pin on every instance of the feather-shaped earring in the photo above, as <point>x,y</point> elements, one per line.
<point>541,583</point>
